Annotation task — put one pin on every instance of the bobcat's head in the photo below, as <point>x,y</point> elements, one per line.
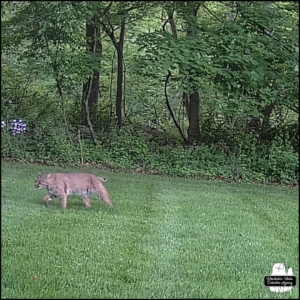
<point>42,181</point>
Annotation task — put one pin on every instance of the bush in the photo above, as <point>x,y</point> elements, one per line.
<point>127,149</point>
<point>283,163</point>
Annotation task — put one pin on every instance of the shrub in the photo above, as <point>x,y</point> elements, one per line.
<point>126,149</point>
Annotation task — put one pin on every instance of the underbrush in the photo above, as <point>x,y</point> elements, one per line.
<point>237,160</point>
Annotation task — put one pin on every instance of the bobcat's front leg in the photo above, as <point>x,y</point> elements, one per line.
<point>47,198</point>
<point>63,201</point>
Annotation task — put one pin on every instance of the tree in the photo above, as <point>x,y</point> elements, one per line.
<point>234,59</point>
<point>120,15</point>
<point>94,46</point>
<point>193,100</point>
<point>119,45</point>
<point>181,51</point>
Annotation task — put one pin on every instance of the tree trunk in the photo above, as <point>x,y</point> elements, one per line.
<point>193,102</point>
<point>94,96</point>
<point>119,45</point>
<point>265,133</point>
<point>91,87</point>
<point>93,39</point>
<point>267,113</point>
<point>119,96</point>
<point>193,115</point>
<point>185,99</point>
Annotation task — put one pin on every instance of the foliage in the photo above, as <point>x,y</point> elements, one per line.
<point>242,58</point>
<point>228,159</point>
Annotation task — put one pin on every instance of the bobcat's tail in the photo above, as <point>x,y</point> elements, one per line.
<point>103,179</point>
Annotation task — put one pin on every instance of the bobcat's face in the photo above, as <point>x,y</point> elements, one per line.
<point>41,181</point>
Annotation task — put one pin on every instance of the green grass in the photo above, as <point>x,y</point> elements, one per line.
<point>164,238</point>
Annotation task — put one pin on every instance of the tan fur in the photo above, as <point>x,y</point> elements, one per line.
<point>64,184</point>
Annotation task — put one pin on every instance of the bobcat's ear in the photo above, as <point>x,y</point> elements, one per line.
<point>48,176</point>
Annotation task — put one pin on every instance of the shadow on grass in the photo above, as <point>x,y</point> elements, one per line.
<point>74,203</point>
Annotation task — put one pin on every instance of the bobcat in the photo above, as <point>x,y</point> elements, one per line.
<point>64,184</point>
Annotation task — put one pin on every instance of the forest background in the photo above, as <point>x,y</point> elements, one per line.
<point>204,89</point>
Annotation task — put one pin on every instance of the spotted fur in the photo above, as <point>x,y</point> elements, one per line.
<point>61,185</point>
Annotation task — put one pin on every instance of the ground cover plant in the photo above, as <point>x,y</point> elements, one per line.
<point>164,238</point>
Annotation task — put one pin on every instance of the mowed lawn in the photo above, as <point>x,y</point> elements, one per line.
<point>164,238</point>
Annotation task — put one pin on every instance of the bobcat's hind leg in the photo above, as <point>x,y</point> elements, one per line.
<point>86,201</point>
<point>102,194</point>
<point>63,201</point>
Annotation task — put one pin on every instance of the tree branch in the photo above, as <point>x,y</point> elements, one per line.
<point>170,109</point>
<point>211,13</point>
<point>268,33</point>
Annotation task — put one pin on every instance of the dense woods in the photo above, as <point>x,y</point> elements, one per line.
<point>205,89</point>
